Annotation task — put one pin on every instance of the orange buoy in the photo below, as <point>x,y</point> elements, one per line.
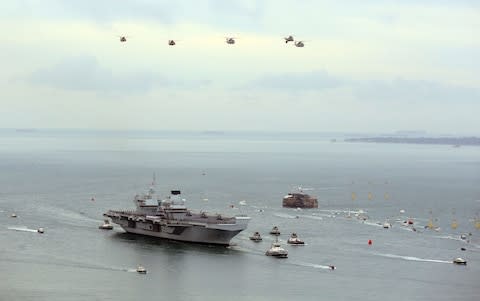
<point>369,242</point>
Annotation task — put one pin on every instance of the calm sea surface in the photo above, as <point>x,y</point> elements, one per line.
<point>48,181</point>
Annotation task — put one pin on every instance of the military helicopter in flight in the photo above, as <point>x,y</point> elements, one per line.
<point>172,43</point>
<point>299,43</point>
<point>123,39</point>
<point>230,40</point>
<point>289,39</point>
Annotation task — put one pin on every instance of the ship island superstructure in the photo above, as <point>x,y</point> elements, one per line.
<point>170,219</point>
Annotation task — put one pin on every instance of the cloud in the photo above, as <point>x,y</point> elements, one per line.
<point>297,82</point>
<point>414,91</point>
<point>230,13</point>
<point>84,73</point>
<point>100,11</point>
<point>404,90</point>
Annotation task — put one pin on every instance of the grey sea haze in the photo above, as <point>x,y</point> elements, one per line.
<point>48,180</point>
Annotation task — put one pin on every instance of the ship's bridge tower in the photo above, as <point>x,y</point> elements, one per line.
<point>174,205</point>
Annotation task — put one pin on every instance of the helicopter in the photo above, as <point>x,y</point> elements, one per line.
<point>171,43</point>
<point>288,39</point>
<point>299,44</point>
<point>123,39</point>
<point>229,40</point>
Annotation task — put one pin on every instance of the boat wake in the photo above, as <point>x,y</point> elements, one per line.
<point>24,229</point>
<point>69,264</point>
<point>69,217</point>
<point>451,238</point>
<point>411,258</point>
<point>377,224</point>
<point>284,215</point>
<point>311,265</point>
<point>311,217</point>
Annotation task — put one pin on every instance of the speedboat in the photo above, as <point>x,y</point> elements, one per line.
<point>387,225</point>
<point>277,251</point>
<point>256,237</point>
<point>106,225</point>
<point>141,270</point>
<point>460,261</point>
<point>13,215</point>
<point>275,231</point>
<point>40,230</point>
<point>243,203</point>
<point>294,240</point>
<point>463,236</point>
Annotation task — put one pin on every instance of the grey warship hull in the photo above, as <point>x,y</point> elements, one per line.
<point>195,229</point>
<point>170,219</point>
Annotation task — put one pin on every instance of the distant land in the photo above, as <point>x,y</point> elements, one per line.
<point>455,141</point>
<point>403,136</point>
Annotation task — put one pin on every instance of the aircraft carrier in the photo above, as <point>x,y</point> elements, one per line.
<point>170,219</point>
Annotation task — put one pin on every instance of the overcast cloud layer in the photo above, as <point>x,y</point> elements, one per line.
<point>367,65</point>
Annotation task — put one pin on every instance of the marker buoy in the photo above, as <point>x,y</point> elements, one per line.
<point>369,242</point>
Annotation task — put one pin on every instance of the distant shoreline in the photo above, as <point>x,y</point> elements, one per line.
<point>455,141</point>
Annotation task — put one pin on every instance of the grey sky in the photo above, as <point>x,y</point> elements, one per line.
<point>367,65</point>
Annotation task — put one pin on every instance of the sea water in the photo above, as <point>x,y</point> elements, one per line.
<point>64,182</point>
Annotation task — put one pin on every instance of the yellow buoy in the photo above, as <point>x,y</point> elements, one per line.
<point>477,224</point>
<point>370,196</point>
<point>430,224</point>
<point>386,196</point>
<point>354,196</point>
<point>454,224</point>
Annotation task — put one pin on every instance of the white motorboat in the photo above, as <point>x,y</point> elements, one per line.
<point>141,270</point>
<point>256,237</point>
<point>460,261</point>
<point>276,250</point>
<point>387,225</point>
<point>106,225</point>
<point>40,230</point>
<point>13,215</point>
<point>294,240</point>
<point>275,231</point>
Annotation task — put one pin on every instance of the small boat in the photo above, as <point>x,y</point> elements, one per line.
<point>463,236</point>
<point>40,230</point>
<point>459,261</point>
<point>106,225</point>
<point>294,240</point>
<point>256,237</point>
<point>275,231</point>
<point>243,203</point>
<point>277,251</point>
<point>13,215</point>
<point>387,225</point>
<point>141,270</point>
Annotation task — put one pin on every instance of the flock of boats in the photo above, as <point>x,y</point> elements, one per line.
<point>169,218</point>
<point>276,249</point>
<point>39,230</point>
